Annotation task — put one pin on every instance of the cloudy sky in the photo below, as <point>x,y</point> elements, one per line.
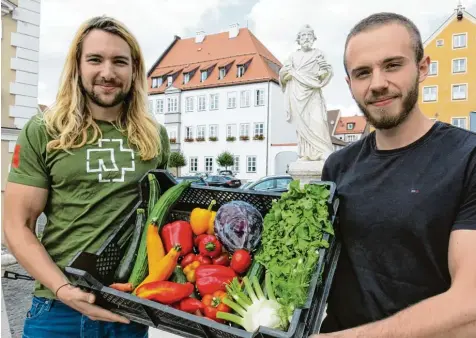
<point>274,22</point>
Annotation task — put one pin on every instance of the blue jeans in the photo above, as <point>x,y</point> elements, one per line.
<point>53,319</point>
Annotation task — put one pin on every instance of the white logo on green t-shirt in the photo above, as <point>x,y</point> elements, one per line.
<point>101,160</point>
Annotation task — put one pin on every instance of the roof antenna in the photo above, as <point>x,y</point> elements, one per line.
<point>459,10</point>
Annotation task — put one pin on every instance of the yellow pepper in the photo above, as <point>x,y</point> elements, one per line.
<point>200,219</point>
<point>211,224</point>
<point>189,271</point>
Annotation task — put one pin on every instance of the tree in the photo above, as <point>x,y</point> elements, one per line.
<point>225,159</point>
<point>177,160</point>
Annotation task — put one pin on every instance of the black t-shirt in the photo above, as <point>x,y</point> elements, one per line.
<point>397,210</point>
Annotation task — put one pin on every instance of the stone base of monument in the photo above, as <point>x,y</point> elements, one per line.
<point>306,171</point>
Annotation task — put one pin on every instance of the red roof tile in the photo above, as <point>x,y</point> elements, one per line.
<point>360,123</point>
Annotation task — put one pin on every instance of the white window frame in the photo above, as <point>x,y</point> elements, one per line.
<point>189,102</point>
<point>186,78</point>
<point>351,138</point>
<point>244,129</point>
<point>202,103</point>
<point>465,34</point>
<point>460,118</point>
<point>172,104</point>
<point>236,164</point>
<point>258,129</point>
<point>465,65</point>
<point>249,164</point>
<point>159,106</point>
<point>214,101</point>
<point>259,97</point>
<point>350,124</point>
<point>210,164</point>
<point>240,71</point>
<point>437,66</point>
<point>188,132</point>
<point>245,98</point>
<point>213,130</point>
<point>201,129</point>
<point>173,134</point>
<point>203,75</point>
<point>193,164</point>
<point>221,73</point>
<point>231,130</point>
<point>156,81</point>
<point>466,92</point>
<point>423,94</point>
<point>170,80</point>
<point>231,100</point>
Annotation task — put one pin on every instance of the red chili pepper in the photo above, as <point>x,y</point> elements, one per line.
<point>191,305</point>
<point>213,303</point>
<point>178,232</point>
<point>165,292</point>
<point>204,259</point>
<point>223,259</point>
<point>210,246</point>
<point>190,258</point>
<point>211,278</point>
<point>198,239</point>
<point>240,261</point>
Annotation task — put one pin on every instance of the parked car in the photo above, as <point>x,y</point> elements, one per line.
<point>223,181</point>
<point>226,173</point>
<point>275,183</point>
<point>196,180</point>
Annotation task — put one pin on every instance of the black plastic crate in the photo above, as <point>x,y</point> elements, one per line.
<point>93,272</point>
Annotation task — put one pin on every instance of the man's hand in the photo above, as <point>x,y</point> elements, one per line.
<point>83,302</point>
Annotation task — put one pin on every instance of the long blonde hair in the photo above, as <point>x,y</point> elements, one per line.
<point>69,119</point>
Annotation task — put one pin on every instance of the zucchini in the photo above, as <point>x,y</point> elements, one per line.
<point>258,270</point>
<point>124,269</point>
<point>160,213</point>
<point>154,192</point>
<point>179,277</point>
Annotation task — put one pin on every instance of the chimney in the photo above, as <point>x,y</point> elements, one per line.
<point>199,37</point>
<point>233,30</point>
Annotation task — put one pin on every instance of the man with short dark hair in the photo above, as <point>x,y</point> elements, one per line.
<point>408,200</point>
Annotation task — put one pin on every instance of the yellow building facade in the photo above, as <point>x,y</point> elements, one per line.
<point>449,92</point>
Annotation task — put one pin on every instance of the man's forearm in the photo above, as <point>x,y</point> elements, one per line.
<point>447,315</point>
<point>32,256</point>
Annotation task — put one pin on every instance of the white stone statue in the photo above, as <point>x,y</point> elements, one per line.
<point>301,78</point>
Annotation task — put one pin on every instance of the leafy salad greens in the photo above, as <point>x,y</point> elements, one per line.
<point>292,236</point>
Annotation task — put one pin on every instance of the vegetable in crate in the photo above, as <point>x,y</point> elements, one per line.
<point>253,311</point>
<point>190,271</point>
<point>202,219</point>
<point>238,225</point>
<point>223,259</point>
<point>165,292</point>
<point>191,305</point>
<point>240,261</point>
<point>126,265</point>
<point>211,278</point>
<point>154,192</point>
<point>292,236</point>
<point>210,246</point>
<point>213,303</point>
<point>160,212</point>
<point>178,232</point>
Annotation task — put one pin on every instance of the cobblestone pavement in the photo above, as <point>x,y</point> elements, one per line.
<point>17,295</point>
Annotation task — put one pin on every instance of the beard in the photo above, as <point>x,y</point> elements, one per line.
<point>381,118</point>
<point>94,96</point>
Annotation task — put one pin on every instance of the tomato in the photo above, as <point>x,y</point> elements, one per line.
<point>240,261</point>
<point>204,259</point>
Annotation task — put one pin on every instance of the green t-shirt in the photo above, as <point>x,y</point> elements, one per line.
<point>90,189</point>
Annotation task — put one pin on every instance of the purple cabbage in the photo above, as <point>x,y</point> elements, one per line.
<point>238,225</point>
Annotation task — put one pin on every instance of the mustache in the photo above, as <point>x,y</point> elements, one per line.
<point>109,83</point>
<point>374,99</point>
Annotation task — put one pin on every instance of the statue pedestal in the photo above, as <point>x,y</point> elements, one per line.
<point>306,171</point>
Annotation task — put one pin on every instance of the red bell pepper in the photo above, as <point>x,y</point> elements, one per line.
<point>191,305</point>
<point>204,259</point>
<point>213,303</point>
<point>198,239</point>
<point>223,259</point>
<point>211,278</point>
<point>188,259</point>
<point>210,246</point>
<point>165,292</point>
<point>178,232</point>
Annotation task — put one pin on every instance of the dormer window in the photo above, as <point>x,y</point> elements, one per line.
<point>170,80</point>
<point>186,78</point>
<point>204,75</point>
<point>350,126</point>
<point>156,82</point>
<point>222,73</point>
<point>241,71</point>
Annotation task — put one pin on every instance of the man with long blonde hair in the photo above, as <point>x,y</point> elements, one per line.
<point>80,163</point>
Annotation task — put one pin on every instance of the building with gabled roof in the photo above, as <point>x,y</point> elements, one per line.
<point>448,94</point>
